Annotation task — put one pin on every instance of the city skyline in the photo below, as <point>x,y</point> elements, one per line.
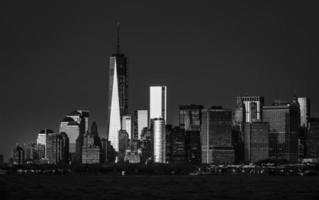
<point>44,84</point>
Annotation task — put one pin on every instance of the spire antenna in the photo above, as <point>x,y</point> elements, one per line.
<point>118,37</point>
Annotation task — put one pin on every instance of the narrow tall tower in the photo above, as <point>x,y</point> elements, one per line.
<point>117,93</point>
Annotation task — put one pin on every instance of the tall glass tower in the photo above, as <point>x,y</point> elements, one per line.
<point>117,94</point>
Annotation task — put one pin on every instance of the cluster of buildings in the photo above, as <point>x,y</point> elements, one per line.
<point>74,143</point>
<point>251,132</point>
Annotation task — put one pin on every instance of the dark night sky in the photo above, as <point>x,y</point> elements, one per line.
<point>54,55</point>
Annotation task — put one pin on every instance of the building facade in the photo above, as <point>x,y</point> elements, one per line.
<point>175,145</point>
<point>140,121</point>
<point>159,140</point>
<point>127,125</point>
<point>117,94</point>
<point>256,141</point>
<point>312,139</point>
<point>158,102</point>
<point>42,142</point>
<point>190,117</point>
<point>284,123</point>
<point>216,136</point>
<point>123,145</point>
<point>253,107</point>
<point>304,105</point>
<point>18,155</point>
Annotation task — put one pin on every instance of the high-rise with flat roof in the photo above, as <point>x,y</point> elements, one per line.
<point>159,140</point>
<point>304,105</point>
<point>256,141</point>
<point>158,102</point>
<point>312,139</point>
<point>127,125</point>
<point>284,122</point>
<point>140,121</point>
<point>190,119</point>
<point>216,136</point>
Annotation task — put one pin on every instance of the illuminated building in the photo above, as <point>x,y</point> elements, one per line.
<point>158,102</point>
<point>159,140</point>
<point>253,107</point>
<point>117,94</point>
<point>127,125</point>
<point>304,105</point>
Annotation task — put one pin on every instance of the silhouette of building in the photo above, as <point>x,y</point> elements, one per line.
<point>123,145</point>
<point>175,145</point>
<point>252,107</point>
<point>30,152</point>
<point>193,147</point>
<point>140,121</point>
<point>146,145</point>
<point>108,153</point>
<point>158,102</point>
<point>190,119</point>
<point>216,136</point>
<point>18,155</point>
<point>91,152</point>
<point>312,139</point>
<point>159,140</point>
<point>57,148</point>
<point>1,160</point>
<point>284,121</point>
<point>118,94</point>
<point>256,141</point>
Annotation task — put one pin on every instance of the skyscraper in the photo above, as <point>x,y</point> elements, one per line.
<point>256,141</point>
<point>284,121</point>
<point>175,145</point>
<point>117,93</point>
<point>158,102</point>
<point>253,107</point>
<point>57,150</point>
<point>304,105</point>
<point>42,141</point>
<point>312,139</point>
<point>216,136</point>
<point>140,121</point>
<point>127,125</point>
<point>190,119</point>
<point>123,144</point>
<point>72,130</point>
<point>159,140</point>
<point>18,155</point>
